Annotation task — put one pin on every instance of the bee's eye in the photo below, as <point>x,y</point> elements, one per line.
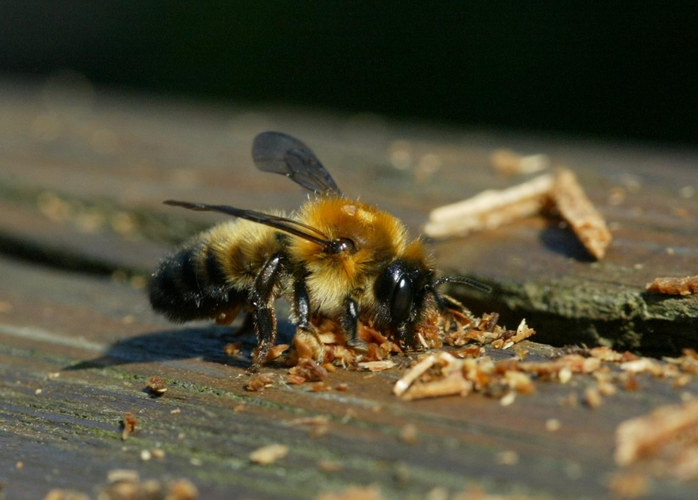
<point>397,289</point>
<point>401,300</point>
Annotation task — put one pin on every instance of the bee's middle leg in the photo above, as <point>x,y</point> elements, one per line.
<point>306,334</point>
<point>262,300</point>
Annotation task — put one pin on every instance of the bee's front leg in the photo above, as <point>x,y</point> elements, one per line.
<point>350,324</point>
<point>454,313</point>
<point>262,300</point>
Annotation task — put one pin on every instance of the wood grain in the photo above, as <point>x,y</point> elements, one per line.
<point>81,224</point>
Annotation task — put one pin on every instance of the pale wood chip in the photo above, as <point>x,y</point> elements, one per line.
<point>413,374</point>
<point>523,331</point>
<point>490,209</point>
<point>408,434</point>
<point>629,485</point>
<point>574,206</point>
<point>377,366</point>
<point>259,381</point>
<point>452,385</point>
<point>128,425</point>
<point>643,436</point>
<point>269,454</point>
<point>508,162</point>
<point>353,493</point>
<point>157,385</point>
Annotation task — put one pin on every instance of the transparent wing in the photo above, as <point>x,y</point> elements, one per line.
<point>283,154</point>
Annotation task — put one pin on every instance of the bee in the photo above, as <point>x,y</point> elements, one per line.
<point>335,258</point>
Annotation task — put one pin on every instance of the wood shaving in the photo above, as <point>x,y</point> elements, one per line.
<point>126,475</point>
<point>494,208</point>
<point>128,425</point>
<point>181,489</point>
<point>377,366</point>
<point>328,466</point>
<point>507,457</point>
<point>592,397</point>
<point>444,374</point>
<point>269,454</point>
<point>508,399</point>
<point>316,355</point>
<point>508,162</point>
<point>308,370</point>
<point>295,379</point>
<point>574,206</point>
<point>451,385</point>
<point>408,434</point>
<point>420,368</point>
<point>319,420</point>
<point>629,485</point>
<point>605,354</point>
<point>59,494</point>
<point>321,387</point>
<point>127,485</point>
<point>490,209</point>
<point>674,286</point>
<point>157,386</point>
<point>259,381</point>
<point>688,363</point>
<point>552,425</point>
<point>650,434</point>
<point>643,365</point>
<point>353,493</point>
<point>232,349</point>
<point>275,351</point>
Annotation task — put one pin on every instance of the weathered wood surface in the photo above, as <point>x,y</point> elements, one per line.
<point>81,180</point>
<point>83,176</point>
<point>68,435</point>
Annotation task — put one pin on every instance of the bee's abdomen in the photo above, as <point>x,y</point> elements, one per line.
<point>191,284</point>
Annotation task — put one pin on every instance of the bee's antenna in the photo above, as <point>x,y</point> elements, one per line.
<point>463,281</point>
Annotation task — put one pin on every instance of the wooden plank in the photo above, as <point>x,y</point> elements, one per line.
<point>82,178</point>
<point>81,181</point>
<point>76,353</point>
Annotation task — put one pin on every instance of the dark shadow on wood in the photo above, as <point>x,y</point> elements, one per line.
<point>206,342</point>
<point>561,240</point>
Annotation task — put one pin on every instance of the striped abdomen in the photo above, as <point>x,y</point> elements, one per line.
<point>191,284</point>
<point>213,273</point>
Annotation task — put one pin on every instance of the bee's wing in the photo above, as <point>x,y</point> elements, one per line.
<point>283,154</point>
<point>287,225</point>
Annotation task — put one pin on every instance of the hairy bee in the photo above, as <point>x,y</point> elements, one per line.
<point>335,258</point>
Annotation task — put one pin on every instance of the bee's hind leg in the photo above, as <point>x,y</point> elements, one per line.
<point>262,301</point>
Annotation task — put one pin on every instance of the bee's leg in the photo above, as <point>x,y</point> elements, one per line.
<point>453,312</point>
<point>306,334</point>
<point>350,324</point>
<point>262,299</point>
<point>454,305</point>
<point>301,304</point>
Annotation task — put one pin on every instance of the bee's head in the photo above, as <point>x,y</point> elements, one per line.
<point>401,290</point>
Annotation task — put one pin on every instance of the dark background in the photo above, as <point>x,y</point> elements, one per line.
<point>619,70</point>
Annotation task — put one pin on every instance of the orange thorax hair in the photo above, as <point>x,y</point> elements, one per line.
<point>378,237</point>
